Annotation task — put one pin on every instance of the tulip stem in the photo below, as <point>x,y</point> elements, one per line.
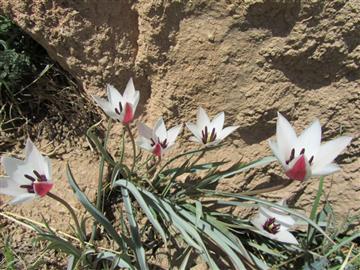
<point>198,157</point>
<point>133,146</point>
<point>72,213</point>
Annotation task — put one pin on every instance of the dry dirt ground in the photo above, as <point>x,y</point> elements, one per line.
<point>250,59</point>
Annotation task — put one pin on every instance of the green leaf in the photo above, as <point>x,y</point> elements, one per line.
<point>195,168</point>
<point>99,217</point>
<point>199,213</point>
<point>116,259</point>
<point>343,242</point>
<point>217,237</point>
<point>139,249</point>
<point>9,256</point>
<point>59,243</point>
<point>71,262</point>
<point>206,149</point>
<point>187,231</point>
<point>233,170</point>
<point>185,260</point>
<point>144,206</point>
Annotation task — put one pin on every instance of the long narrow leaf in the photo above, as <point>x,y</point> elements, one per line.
<point>99,217</point>
<point>109,256</point>
<point>233,170</point>
<point>139,249</point>
<point>188,232</point>
<point>217,237</point>
<point>185,260</point>
<point>139,198</point>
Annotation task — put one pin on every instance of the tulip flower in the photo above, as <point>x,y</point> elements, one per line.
<point>305,156</point>
<point>157,140</point>
<point>27,179</point>
<point>209,132</point>
<point>275,224</point>
<point>120,107</point>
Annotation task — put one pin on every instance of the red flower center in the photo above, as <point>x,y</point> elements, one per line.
<point>39,185</point>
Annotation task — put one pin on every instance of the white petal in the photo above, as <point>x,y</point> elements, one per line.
<point>19,174</point>
<point>48,172</point>
<point>160,130</point>
<point>258,221</point>
<point>136,101</point>
<point>286,237</point>
<point>194,130</point>
<point>274,148</point>
<point>285,137</point>
<point>145,131</point>
<point>11,165</point>
<point>107,107</point>
<point>35,160</point>
<point>9,187</point>
<point>23,198</point>
<point>144,143</point>
<point>328,169</point>
<point>329,151</point>
<point>173,133</point>
<point>129,93</point>
<point>114,96</point>
<point>309,140</point>
<point>202,119</point>
<point>226,132</point>
<point>218,122</point>
<point>285,220</point>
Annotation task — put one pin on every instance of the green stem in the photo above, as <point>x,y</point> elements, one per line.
<point>72,213</point>
<point>122,147</point>
<point>134,147</point>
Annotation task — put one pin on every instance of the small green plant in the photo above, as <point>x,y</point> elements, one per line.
<point>16,68</point>
<point>171,205</point>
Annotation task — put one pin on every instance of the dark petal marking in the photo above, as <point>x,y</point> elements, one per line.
<point>213,135</point>
<point>271,227</point>
<point>311,160</point>
<point>205,135</point>
<point>40,177</point>
<point>302,151</point>
<point>118,111</point>
<point>292,155</point>
<point>29,177</point>
<point>163,144</point>
<point>30,188</point>
<point>152,142</point>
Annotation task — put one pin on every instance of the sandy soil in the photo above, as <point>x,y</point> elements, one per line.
<point>247,58</point>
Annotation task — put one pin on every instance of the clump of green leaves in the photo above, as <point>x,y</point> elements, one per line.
<point>159,212</point>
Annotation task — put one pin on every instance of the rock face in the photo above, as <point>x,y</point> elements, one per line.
<point>247,58</point>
